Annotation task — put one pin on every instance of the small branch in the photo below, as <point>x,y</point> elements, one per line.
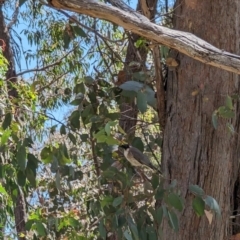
<point>155,157</point>
<point>159,87</point>
<point>45,67</point>
<point>15,15</point>
<point>183,42</point>
<point>53,81</point>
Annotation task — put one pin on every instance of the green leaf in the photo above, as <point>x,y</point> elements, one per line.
<point>40,229</point>
<point>31,177</point>
<point>212,203</point>
<point>175,201</point>
<point>106,201</point>
<point>173,220</point>
<point>3,191</point>
<point>21,2</point>
<point>108,129</point>
<point>72,138</point>
<point>58,180</point>
<point>63,130</point>
<point>7,121</point>
<point>160,193</point>
<point>228,102</point>
<point>66,40</point>
<point>32,162</point>
<point>84,137</point>
<point>6,134</point>
<point>54,165</point>
<point>73,222</point>
<point>138,87</point>
<point>21,178</point>
<point>79,88</point>
<point>76,102</point>
<point>127,235</point>
<point>151,232</point>
<point>137,142</point>
<point>46,155</point>
<point>75,119</point>
<point>159,215</point>
<point>198,206</point>
<point>29,224</point>
<point>28,142</point>
<point>214,120</point>
<point>142,102</point>
<point>78,31</point>
<point>225,112</point>
<point>196,190</point>
<point>117,201</point>
<point>102,230</point>
<point>155,181</point>
<point>133,228</point>
<point>88,80</point>
<point>21,157</point>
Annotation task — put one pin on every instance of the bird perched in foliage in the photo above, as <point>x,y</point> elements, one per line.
<point>136,157</point>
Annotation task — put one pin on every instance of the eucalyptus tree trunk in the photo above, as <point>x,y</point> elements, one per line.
<point>193,151</point>
<point>19,205</point>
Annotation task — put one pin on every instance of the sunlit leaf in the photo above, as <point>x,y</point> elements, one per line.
<point>225,112</point>
<point>108,129</point>
<point>5,136</point>
<point>228,102</point>
<point>198,206</point>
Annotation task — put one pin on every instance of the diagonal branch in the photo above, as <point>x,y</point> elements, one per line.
<point>183,42</point>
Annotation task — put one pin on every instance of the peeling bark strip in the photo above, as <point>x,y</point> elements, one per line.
<point>183,42</point>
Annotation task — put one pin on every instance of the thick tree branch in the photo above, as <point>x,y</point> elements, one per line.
<point>183,42</point>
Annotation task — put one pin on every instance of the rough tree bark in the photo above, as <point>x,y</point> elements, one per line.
<point>19,206</point>
<point>193,151</point>
<point>129,111</point>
